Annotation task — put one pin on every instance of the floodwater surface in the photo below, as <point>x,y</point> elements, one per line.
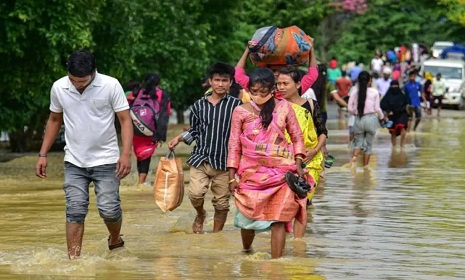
<point>403,217</point>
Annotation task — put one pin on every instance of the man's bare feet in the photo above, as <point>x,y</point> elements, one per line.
<point>197,226</point>
<point>353,162</point>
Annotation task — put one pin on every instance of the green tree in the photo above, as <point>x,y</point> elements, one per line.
<point>35,38</point>
<point>455,10</point>
<point>128,39</point>
<point>178,39</point>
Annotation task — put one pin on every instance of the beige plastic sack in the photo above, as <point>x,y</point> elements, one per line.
<point>168,186</point>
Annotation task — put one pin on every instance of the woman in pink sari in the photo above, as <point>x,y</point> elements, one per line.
<point>260,156</point>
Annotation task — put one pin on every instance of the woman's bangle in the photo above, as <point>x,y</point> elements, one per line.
<point>42,155</point>
<point>232,180</point>
<point>299,157</point>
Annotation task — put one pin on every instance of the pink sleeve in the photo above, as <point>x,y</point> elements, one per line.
<point>352,106</point>
<point>241,78</point>
<point>234,145</point>
<point>377,106</point>
<point>309,78</point>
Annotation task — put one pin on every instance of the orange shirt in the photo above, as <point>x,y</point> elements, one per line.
<point>343,86</point>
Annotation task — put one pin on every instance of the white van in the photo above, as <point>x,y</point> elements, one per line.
<point>453,74</point>
<point>438,46</point>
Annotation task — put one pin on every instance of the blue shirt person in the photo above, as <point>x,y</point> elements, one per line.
<point>354,72</point>
<point>413,89</point>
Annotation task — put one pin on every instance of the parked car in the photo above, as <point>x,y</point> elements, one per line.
<point>453,74</point>
<point>438,46</point>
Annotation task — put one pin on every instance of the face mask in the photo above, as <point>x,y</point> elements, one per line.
<point>261,100</point>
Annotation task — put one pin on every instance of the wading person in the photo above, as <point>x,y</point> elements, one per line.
<point>394,103</point>
<point>151,109</point>
<point>313,130</point>
<point>413,89</point>
<point>87,102</point>
<point>343,86</point>
<point>438,90</point>
<point>210,128</point>
<point>427,85</point>
<point>364,104</point>
<point>260,155</point>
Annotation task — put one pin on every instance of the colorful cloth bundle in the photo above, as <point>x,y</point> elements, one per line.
<point>279,46</point>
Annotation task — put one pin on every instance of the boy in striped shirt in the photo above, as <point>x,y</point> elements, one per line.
<point>210,124</point>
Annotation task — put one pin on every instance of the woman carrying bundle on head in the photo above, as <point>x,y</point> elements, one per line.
<point>260,155</point>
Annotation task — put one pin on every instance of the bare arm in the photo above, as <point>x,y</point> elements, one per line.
<point>312,55</point>
<point>124,162</point>
<point>189,135</point>
<point>233,186</point>
<point>312,74</point>
<point>241,78</point>
<point>242,63</point>
<point>339,100</point>
<point>321,142</point>
<point>54,122</point>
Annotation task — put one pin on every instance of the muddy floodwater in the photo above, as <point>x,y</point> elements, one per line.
<point>401,218</point>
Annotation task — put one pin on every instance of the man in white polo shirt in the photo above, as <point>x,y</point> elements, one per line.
<point>87,102</point>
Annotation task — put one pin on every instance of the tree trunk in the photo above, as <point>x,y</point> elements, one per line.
<point>180,116</point>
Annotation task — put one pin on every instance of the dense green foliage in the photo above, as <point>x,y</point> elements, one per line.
<point>455,10</point>
<point>179,39</point>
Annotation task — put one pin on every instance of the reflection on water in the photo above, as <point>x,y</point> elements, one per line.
<point>403,217</point>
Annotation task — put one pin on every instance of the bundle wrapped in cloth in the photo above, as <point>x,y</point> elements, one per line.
<point>279,46</point>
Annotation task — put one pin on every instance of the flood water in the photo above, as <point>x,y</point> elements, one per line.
<point>404,217</point>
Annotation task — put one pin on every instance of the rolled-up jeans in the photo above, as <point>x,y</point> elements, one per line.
<point>76,187</point>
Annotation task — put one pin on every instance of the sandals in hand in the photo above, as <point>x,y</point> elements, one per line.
<point>297,184</point>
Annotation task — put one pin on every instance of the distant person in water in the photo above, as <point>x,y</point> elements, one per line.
<point>364,104</point>
<point>394,103</point>
<point>151,106</point>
